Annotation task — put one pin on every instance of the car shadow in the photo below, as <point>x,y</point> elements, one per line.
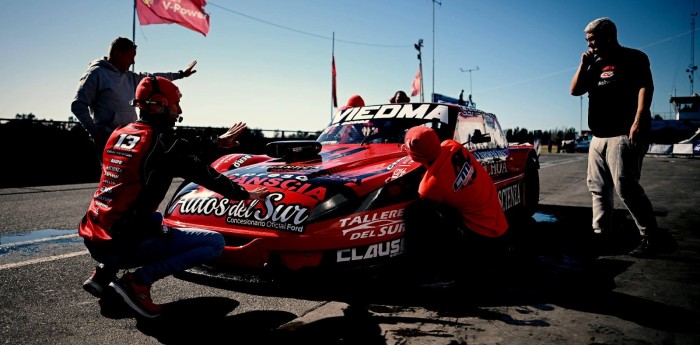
<point>194,322</point>
<point>554,261</point>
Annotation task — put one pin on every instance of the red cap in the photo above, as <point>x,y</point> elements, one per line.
<point>423,144</point>
<point>354,101</point>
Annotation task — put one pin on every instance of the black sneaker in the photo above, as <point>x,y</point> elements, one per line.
<point>137,296</point>
<point>99,280</point>
<point>662,243</point>
<point>643,250</point>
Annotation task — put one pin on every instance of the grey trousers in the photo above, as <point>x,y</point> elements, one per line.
<point>616,164</point>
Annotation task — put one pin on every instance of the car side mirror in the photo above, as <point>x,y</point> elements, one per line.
<point>478,138</point>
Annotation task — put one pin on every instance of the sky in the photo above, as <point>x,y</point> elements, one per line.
<point>268,62</point>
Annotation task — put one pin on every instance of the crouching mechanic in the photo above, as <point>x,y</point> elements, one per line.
<point>458,220</point>
<point>122,228</point>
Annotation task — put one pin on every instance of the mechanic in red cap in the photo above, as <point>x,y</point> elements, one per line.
<point>354,101</point>
<point>122,228</point>
<point>457,193</point>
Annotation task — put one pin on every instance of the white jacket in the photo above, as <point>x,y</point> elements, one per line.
<point>101,102</point>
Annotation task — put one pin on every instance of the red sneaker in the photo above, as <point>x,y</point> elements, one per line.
<point>137,296</point>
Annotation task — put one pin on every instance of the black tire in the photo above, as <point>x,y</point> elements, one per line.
<point>531,193</point>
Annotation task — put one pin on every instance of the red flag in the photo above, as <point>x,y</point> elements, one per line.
<point>415,86</point>
<point>334,91</point>
<point>188,13</point>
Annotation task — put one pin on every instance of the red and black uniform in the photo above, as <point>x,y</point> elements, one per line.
<point>139,163</point>
<point>456,179</point>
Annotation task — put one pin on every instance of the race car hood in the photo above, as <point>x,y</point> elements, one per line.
<point>338,172</point>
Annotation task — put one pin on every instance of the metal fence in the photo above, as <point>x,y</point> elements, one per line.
<point>268,133</point>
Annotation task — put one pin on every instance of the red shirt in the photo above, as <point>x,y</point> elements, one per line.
<point>458,180</point>
<point>138,166</point>
<point>121,181</point>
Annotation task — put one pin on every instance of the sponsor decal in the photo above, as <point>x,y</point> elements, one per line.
<point>464,176</point>
<point>292,183</point>
<point>106,189</point>
<point>606,75</point>
<point>372,251</point>
<point>489,154</point>
<point>378,229</point>
<point>120,153</point>
<point>109,174</point>
<point>608,72</point>
<point>292,167</point>
<point>403,162</point>
<point>239,162</point>
<point>116,161</point>
<point>393,164</point>
<point>467,112</point>
<point>127,141</point>
<point>495,168</point>
<point>115,169</point>
<point>392,111</point>
<point>398,173</point>
<point>272,213</point>
<point>302,178</point>
<point>342,178</point>
<point>347,178</point>
<point>103,198</point>
<point>509,196</point>
<point>341,152</point>
<point>376,224</point>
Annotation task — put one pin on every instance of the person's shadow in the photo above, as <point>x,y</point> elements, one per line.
<point>203,320</point>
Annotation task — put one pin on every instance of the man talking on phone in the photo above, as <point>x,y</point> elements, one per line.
<point>620,88</point>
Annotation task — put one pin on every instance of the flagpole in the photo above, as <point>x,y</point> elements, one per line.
<point>332,78</point>
<point>133,33</point>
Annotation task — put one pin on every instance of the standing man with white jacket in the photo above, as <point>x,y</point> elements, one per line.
<point>101,102</point>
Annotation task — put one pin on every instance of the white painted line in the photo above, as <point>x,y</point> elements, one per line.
<point>563,161</point>
<point>3,246</point>
<point>40,260</point>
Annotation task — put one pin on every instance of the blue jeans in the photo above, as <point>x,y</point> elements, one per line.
<point>162,255</point>
<point>616,164</point>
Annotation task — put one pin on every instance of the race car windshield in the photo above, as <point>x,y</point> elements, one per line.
<point>367,132</point>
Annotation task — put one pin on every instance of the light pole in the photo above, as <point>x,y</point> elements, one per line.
<point>471,91</point>
<point>418,47</point>
<point>692,68</point>
<point>581,116</point>
<point>433,90</point>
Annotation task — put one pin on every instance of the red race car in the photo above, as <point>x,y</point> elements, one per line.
<point>338,202</point>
